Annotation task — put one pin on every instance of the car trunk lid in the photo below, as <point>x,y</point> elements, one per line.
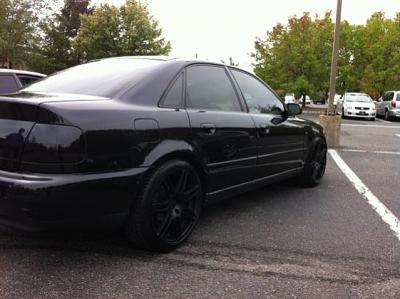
<point>18,114</point>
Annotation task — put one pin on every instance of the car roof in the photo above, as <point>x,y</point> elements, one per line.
<point>21,72</point>
<point>173,60</point>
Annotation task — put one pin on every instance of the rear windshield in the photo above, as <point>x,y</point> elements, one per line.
<point>105,78</point>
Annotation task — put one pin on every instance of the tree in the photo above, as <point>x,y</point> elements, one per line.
<point>112,31</point>
<point>296,57</point>
<point>18,29</point>
<point>54,51</point>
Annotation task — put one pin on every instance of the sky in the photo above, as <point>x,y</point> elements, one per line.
<point>219,29</point>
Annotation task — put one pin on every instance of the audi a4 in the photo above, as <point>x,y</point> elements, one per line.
<point>142,143</point>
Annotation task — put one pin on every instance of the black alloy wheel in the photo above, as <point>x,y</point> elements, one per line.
<point>168,209</point>
<point>314,168</point>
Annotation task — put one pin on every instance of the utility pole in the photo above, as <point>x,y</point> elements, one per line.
<point>331,122</point>
<point>335,55</point>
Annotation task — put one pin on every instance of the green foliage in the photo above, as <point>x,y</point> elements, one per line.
<point>74,34</point>
<point>19,21</point>
<point>296,57</point>
<point>112,31</point>
<point>55,52</point>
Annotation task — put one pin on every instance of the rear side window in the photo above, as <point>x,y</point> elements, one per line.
<point>8,84</point>
<point>26,80</point>
<point>259,98</point>
<point>174,94</point>
<point>398,97</point>
<point>388,96</point>
<point>209,88</point>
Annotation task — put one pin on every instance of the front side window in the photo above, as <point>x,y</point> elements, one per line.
<point>209,88</point>
<point>259,98</point>
<point>8,84</point>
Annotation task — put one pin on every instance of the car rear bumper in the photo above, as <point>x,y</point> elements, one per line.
<point>394,113</point>
<point>45,202</point>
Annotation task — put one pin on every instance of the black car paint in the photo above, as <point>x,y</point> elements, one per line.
<point>126,138</point>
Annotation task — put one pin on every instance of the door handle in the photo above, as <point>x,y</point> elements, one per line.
<point>265,128</point>
<point>209,128</point>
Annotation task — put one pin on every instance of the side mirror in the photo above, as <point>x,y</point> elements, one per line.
<point>293,109</point>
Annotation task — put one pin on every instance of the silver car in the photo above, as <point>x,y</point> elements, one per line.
<point>388,106</point>
<point>13,80</point>
<point>354,104</point>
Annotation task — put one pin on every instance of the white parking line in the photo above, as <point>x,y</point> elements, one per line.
<point>386,215</point>
<point>371,126</point>
<point>385,121</point>
<point>371,152</point>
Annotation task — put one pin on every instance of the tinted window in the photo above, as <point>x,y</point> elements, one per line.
<point>209,88</point>
<point>26,80</point>
<point>259,98</point>
<point>174,95</point>
<point>388,96</point>
<point>8,84</point>
<point>398,97</point>
<point>104,78</point>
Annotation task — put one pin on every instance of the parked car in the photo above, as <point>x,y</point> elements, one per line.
<point>13,80</point>
<point>336,99</point>
<point>359,105</point>
<point>143,143</point>
<point>388,106</point>
<point>308,100</point>
<point>290,98</point>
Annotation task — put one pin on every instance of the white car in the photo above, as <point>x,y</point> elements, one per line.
<point>289,98</point>
<point>308,100</point>
<point>358,105</point>
<point>335,99</point>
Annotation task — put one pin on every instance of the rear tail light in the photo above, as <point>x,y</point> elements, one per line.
<point>53,148</point>
<point>393,104</point>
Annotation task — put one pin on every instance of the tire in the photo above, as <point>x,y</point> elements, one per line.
<point>372,118</point>
<point>167,208</point>
<point>314,168</point>
<point>387,116</point>
<point>343,114</point>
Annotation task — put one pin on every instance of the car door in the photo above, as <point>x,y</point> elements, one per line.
<point>383,103</point>
<point>221,130</point>
<point>281,139</point>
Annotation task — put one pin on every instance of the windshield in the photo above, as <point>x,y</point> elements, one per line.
<point>359,99</point>
<point>99,78</point>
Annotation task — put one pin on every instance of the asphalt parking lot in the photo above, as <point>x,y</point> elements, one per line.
<point>333,241</point>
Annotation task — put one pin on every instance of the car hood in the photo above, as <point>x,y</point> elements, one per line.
<point>361,104</point>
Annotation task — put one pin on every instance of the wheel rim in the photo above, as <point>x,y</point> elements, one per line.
<point>176,206</point>
<point>318,162</point>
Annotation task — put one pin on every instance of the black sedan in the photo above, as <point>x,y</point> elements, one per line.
<point>142,143</point>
